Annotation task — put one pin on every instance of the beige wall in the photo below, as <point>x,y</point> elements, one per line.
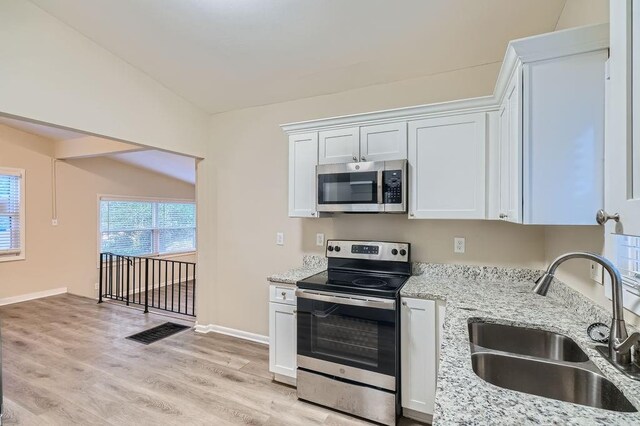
<point>583,12</point>
<point>53,74</point>
<point>251,153</point>
<point>65,255</point>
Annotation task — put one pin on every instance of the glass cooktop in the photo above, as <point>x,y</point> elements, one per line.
<point>355,282</point>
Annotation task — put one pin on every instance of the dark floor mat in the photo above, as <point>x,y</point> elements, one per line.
<point>157,333</point>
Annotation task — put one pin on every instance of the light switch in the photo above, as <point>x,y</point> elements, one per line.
<point>280,238</point>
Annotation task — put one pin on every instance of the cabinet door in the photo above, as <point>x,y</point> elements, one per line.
<point>303,158</point>
<point>339,146</point>
<point>510,151</point>
<point>622,146</point>
<point>447,167</point>
<point>419,353</point>
<point>282,339</point>
<point>563,139</point>
<point>383,142</point>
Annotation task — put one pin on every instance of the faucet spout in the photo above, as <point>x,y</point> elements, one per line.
<point>619,342</point>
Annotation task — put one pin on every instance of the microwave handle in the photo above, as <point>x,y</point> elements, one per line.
<point>380,177</point>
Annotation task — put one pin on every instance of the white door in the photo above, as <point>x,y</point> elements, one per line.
<point>339,146</point>
<point>303,158</point>
<point>622,136</point>
<point>510,151</point>
<point>282,339</point>
<point>383,142</point>
<point>447,167</point>
<point>418,354</point>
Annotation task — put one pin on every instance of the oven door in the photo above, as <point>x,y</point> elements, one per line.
<point>351,187</point>
<point>350,337</point>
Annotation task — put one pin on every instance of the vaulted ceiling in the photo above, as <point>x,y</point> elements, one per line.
<point>228,54</point>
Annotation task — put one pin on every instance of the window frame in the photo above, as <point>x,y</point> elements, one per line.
<point>155,240</point>
<point>22,212</point>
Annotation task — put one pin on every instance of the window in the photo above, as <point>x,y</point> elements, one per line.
<point>147,228</point>
<point>11,214</point>
<point>628,261</point>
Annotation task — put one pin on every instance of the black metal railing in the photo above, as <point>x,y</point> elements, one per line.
<point>169,285</point>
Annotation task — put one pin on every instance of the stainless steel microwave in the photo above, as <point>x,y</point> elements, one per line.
<point>365,187</point>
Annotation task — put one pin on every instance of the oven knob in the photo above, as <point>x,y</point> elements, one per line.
<point>394,252</point>
<point>403,252</point>
<point>337,248</point>
<point>330,248</point>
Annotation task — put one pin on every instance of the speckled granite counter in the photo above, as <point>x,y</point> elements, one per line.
<point>504,295</point>
<point>310,265</point>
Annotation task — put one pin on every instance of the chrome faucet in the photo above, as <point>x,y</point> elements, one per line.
<point>619,351</point>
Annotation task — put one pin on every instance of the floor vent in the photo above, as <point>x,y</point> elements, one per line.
<point>157,333</point>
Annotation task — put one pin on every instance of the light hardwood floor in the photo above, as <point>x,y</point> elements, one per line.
<point>66,361</point>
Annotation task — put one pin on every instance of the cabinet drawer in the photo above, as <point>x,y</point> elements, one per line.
<point>283,294</point>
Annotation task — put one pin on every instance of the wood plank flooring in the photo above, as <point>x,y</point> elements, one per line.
<point>66,361</point>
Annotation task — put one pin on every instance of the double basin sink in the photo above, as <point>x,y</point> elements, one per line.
<point>541,363</point>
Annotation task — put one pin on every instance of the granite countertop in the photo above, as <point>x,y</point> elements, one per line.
<point>311,265</point>
<point>504,295</point>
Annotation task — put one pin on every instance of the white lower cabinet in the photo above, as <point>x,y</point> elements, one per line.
<point>421,326</point>
<point>282,339</point>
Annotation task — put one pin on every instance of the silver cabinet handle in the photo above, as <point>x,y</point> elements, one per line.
<point>602,217</point>
<point>284,295</point>
<point>404,303</point>
<point>363,159</point>
<point>313,213</point>
<point>503,216</point>
<point>355,158</point>
<point>411,214</point>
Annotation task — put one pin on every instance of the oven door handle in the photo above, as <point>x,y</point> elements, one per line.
<point>365,302</point>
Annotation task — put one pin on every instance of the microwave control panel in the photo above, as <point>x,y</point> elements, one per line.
<point>392,186</point>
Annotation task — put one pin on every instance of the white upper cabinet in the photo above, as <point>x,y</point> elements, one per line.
<point>339,146</point>
<point>447,167</point>
<point>563,139</point>
<point>383,142</point>
<point>510,152</point>
<point>531,153</point>
<point>303,158</point>
<point>622,171</point>
<point>551,125</point>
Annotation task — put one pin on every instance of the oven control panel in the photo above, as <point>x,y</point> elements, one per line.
<point>371,250</point>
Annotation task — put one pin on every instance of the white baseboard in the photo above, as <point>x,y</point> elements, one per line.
<point>417,415</point>
<point>32,296</point>
<point>212,328</point>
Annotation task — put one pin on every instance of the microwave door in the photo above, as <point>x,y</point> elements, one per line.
<point>342,188</point>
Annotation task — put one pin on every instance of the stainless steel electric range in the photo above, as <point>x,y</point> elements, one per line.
<point>349,329</point>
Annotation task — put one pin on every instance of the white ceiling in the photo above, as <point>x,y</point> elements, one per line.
<point>228,54</point>
<point>166,163</point>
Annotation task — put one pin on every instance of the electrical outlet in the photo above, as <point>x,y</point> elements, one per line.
<point>458,244</point>
<point>96,286</point>
<point>54,222</point>
<point>320,240</point>
<point>595,270</point>
<point>280,238</point>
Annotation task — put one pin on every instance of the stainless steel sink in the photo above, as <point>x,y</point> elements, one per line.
<point>550,380</point>
<point>541,363</point>
<point>526,341</point>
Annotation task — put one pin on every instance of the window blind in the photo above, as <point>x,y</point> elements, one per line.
<point>628,261</point>
<point>11,221</point>
<point>137,228</point>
